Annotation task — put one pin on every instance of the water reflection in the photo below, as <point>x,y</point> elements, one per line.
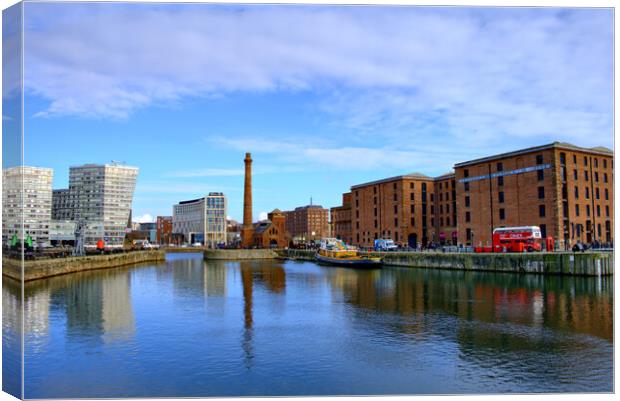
<point>531,329</point>
<point>582,305</point>
<point>268,274</point>
<point>189,328</point>
<point>11,337</point>
<point>95,304</point>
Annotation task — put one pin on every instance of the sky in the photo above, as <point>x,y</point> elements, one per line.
<point>325,97</point>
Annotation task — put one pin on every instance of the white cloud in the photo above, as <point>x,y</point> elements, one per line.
<point>175,187</point>
<point>208,172</point>
<point>145,218</point>
<point>474,73</point>
<point>303,156</point>
<point>262,216</point>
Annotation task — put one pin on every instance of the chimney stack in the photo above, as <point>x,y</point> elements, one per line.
<point>247,230</point>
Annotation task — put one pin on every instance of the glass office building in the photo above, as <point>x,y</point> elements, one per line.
<point>202,220</point>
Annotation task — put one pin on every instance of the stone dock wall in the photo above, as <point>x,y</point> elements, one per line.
<point>183,250</point>
<point>239,254</point>
<point>38,269</point>
<point>297,254</point>
<point>564,263</point>
<point>576,264</point>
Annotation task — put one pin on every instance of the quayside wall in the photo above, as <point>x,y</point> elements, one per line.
<point>239,254</point>
<point>42,268</point>
<point>566,263</point>
<point>183,250</point>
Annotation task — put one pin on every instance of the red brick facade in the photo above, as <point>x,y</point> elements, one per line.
<point>164,229</point>
<point>566,190</point>
<point>405,209</point>
<point>307,223</point>
<point>271,233</point>
<point>341,220</point>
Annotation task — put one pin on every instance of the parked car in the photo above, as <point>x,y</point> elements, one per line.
<point>385,245</point>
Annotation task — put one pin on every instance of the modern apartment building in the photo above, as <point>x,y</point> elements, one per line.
<point>202,220</point>
<point>26,203</point>
<point>565,189</point>
<point>99,196</point>
<point>340,219</point>
<point>307,223</point>
<point>62,209</point>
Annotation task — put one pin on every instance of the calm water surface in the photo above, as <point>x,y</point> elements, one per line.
<point>193,328</point>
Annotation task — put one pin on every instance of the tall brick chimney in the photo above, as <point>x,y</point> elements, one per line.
<point>247,230</point>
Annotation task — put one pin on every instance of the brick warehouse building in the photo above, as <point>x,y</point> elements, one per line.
<point>307,222</point>
<point>411,209</point>
<point>444,205</point>
<point>340,219</point>
<point>164,230</point>
<point>565,189</point>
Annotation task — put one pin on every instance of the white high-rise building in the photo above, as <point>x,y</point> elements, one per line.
<point>202,220</point>
<point>100,196</point>
<point>27,200</point>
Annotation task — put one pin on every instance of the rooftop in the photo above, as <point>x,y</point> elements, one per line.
<point>309,207</point>
<point>261,226</point>
<point>111,164</point>
<point>449,174</point>
<point>601,150</point>
<point>411,176</point>
<point>191,201</point>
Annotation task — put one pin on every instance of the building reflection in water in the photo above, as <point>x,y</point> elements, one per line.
<point>215,280</point>
<point>96,304</point>
<point>116,310</point>
<point>578,304</point>
<point>273,277</point>
<point>11,337</point>
<point>189,276</point>
<point>509,317</point>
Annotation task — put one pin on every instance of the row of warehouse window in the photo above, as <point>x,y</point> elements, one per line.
<point>596,193</point>
<point>413,222</point>
<point>411,197</point>
<point>500,180</point>
<point>541,195</point>
<point>587,177</point>
<point>542,212</point>
<point>598,210</point>
<point>585,160</point>
<point>541,175</point>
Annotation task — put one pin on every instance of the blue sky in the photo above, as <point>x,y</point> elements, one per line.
<point>323,97</point>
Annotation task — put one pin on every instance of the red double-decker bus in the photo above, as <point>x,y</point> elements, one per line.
<point>517,239</point>
<point>520,239</point>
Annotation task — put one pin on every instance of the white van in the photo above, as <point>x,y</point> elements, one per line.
<point>385,245</point>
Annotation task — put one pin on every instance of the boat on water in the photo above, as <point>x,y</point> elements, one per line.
<point>335,252</point>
